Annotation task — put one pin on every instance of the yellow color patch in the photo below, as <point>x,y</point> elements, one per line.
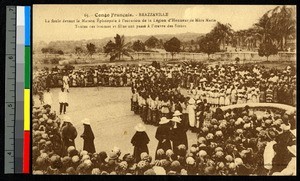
<point>26,109</point>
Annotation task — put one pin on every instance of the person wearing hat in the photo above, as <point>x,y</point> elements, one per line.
<point>55,165</point>
<point>165,107</point>
<point>163,135</point>
<point>208,94</point>
<point>222,97</point>
<point>243,95</point>
<point>68,133</point>
<point>184,111</point>
<point>140,140</point>
<point>269,94</point>
<point>63,101</point>
<point>134,101</point>
<point>227,95</point>
<point>191,111</point>
<point>254,95</point>
<point>233,95</point>
<point>286,94</point>
<point>88,137</point>
<point>152,104</point>
<point>65,80</point>
<point>178,133</point>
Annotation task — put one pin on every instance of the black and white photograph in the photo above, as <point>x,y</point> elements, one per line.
<point>164,90</point>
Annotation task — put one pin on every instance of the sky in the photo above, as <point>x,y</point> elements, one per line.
<point>239,16</point>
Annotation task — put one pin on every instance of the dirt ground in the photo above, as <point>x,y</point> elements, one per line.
<point>112,122</point>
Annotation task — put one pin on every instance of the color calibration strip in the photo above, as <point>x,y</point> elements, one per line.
<point>22,116</point>
<point>26,146</point>
<point>17,90</point>
<point>20,86</point>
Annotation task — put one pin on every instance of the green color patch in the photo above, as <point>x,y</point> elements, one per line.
<point>27,67</point>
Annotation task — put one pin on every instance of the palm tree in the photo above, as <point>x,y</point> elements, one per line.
<point>251,38</point>
<point>118,48</point>
<point>263,29</point>
<point>223,33</point>
<point>275,26</point>
<point>239,37</point>
<point>282,23</point>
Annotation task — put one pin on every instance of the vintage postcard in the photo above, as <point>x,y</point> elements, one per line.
<point>164,89</point>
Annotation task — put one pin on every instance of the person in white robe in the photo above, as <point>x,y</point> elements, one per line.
<point>191,111</point>
<point>66,82</point>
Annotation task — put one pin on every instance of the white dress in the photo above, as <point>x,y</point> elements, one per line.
<point>233,96</point>
<point>209,97</point>
<point>227,98</point>
<point>66,82</point>
<point>222,98</point>
<point>249,97</point>
<point>62,97</point>
<point>192,117</point>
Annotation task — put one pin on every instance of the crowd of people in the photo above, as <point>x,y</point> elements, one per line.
<point>237,142</point>
<point>229,142</point>
<point>158,93</point>
<point>219,85</point>
<point>111,76</point>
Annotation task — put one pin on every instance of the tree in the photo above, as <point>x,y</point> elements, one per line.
<point>172,46</point>
<point>109,47</point>
<point>51,50</point>
<point>91,48</point>
<point>263,30</point>
<point>222,33</point>
<point>138,46</point>
<point>59,52</point>
<point>152,42</point>
<point>266,49</point>
<point>118,48</point>
<point>275,26</point>
<point>282,20</point>
<point>208,44</point>
<point>78,50</point>
<point>45,51</point>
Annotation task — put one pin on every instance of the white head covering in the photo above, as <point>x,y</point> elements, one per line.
<point>164,120</point>
<point>176,119</point>
<point>86,121</point>
<point>67,119</point>
<point>159,170</point>
<point>140,127</point>
<point>177,113</point>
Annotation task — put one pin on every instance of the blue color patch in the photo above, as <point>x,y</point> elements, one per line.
<point>27,25</point>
